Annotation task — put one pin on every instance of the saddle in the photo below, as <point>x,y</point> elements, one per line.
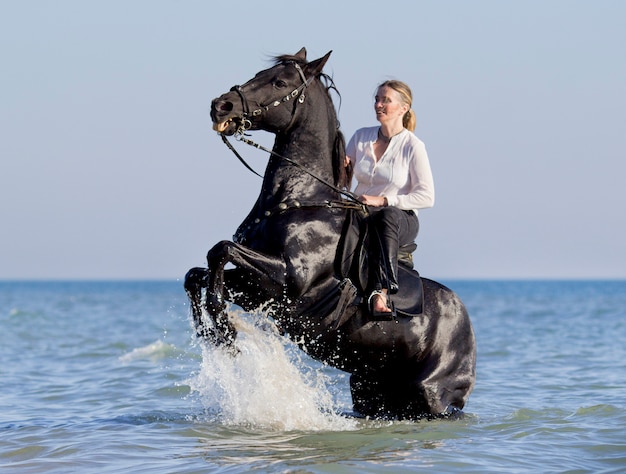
<point>352,263</point>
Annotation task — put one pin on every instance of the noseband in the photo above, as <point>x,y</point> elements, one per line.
<point>245,121</point>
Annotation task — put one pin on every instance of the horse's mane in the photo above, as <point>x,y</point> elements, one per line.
<point>342,174</point>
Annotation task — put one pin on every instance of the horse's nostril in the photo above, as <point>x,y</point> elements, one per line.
<point>223,106</point>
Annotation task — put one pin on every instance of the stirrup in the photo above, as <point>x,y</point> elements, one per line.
<point>382,315</point>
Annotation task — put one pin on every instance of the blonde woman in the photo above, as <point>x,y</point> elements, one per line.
<point>394,179</point>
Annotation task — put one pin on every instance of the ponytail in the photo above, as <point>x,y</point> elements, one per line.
<point>409,121</point>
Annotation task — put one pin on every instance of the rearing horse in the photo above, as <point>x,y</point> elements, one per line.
<point>288,248</point>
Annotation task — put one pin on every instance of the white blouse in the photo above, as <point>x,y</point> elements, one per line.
<point>402,174</point>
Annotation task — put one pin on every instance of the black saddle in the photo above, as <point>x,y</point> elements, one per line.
<point>352,263</point>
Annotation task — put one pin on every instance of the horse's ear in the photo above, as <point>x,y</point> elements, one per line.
<point>315,67</point>
<point>301,54</point>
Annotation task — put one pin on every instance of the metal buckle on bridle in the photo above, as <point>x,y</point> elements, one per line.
<point>245,125</point>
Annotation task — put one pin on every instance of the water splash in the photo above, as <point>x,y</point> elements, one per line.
<point>268,385</point>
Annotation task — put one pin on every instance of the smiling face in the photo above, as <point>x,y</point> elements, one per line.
<point>389,106</point>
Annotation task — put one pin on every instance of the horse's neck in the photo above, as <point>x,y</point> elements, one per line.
<point>312,151</point>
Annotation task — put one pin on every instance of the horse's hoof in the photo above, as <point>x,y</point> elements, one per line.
<point>212,338</point>
<point>232,350</point>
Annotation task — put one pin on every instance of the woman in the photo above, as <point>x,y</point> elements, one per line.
<point>394,179</point>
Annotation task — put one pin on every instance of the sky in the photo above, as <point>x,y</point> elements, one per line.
<point>109,168</point>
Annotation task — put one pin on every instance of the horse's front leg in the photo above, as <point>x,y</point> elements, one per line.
<point>196,280</point>
<point>269,272</point>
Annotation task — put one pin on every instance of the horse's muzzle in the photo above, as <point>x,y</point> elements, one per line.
<point>224,116</point>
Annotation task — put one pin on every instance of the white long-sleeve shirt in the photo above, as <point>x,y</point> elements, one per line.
<point>402,174</point>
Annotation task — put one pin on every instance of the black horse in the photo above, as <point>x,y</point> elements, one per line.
<point>298,250</point>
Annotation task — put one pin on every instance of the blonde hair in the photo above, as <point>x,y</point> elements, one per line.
<point>409,121</point>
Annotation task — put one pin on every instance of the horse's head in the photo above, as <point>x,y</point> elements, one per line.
<point>269,100</point>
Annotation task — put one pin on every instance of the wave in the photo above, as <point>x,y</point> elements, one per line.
<point>155,351</point>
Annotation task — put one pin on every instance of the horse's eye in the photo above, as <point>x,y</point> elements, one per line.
<point>279,84</point>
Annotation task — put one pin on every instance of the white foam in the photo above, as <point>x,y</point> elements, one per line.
<point>268,384</point>
<point>156,350</point>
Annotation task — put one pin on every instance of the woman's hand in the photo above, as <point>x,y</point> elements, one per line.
<point>374,201</point>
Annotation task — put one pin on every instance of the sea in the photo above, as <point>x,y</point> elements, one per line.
<point>108,377</point>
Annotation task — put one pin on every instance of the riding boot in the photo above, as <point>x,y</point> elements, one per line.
<point>390,262</point>
<point>384,266</point>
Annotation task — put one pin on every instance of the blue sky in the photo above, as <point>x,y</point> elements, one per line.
<point>109,167</point>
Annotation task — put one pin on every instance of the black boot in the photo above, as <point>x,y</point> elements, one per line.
<point>390,270</point>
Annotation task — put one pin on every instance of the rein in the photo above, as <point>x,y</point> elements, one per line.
<point>239,135</point>
<point>232,148</point>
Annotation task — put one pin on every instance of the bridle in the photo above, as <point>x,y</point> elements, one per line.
<point>246,123</point>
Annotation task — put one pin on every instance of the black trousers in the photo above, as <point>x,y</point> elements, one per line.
<point>390,229</point>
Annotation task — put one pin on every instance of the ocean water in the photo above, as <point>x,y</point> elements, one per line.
<point>107,377</point>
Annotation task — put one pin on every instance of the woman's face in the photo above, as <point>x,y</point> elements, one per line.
<point>388,105</point>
